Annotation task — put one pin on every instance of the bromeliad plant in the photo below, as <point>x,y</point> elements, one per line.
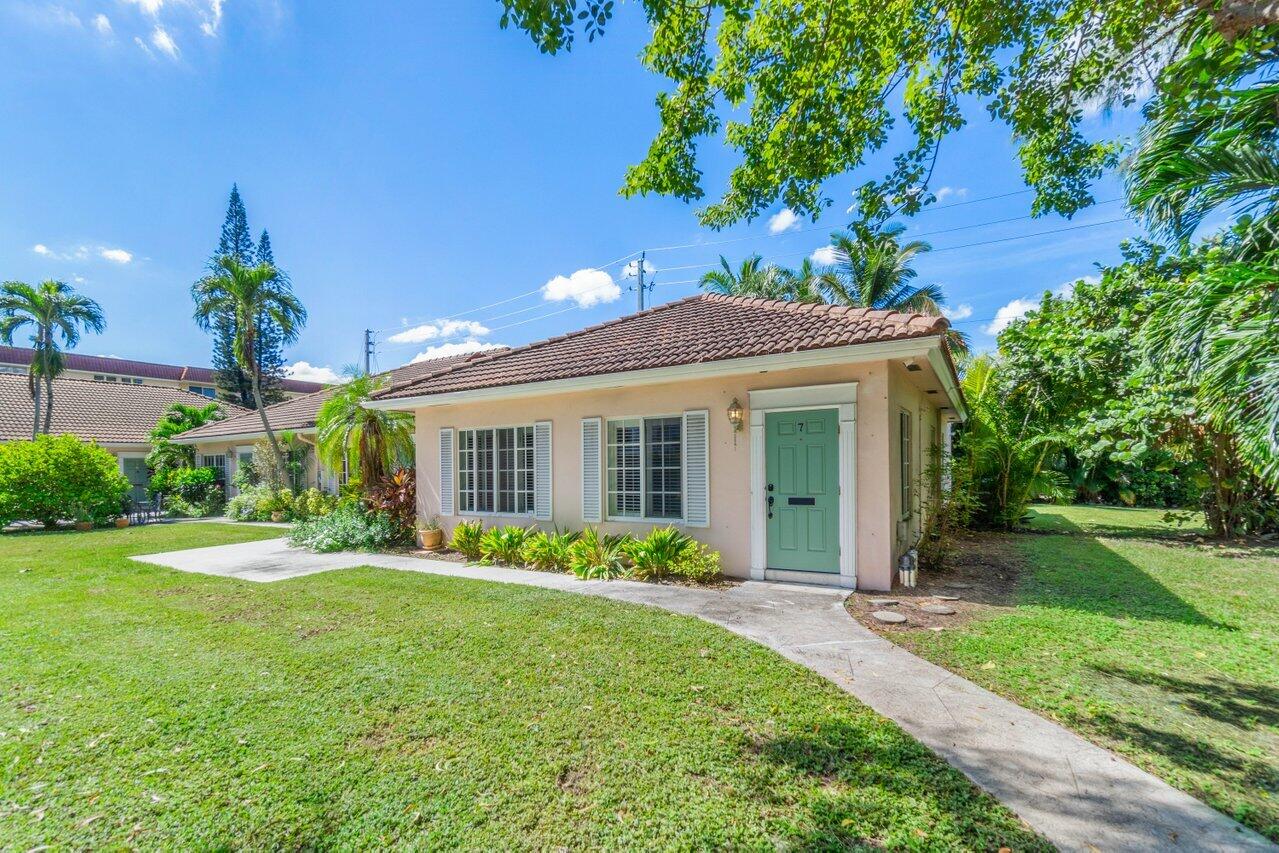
<point>656,555</point>
<point>466,539</point>
<point>504,545</point>
<point>548,552</point>
<point>598,557</point>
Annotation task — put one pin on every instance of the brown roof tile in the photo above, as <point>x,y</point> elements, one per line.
<point>703,328</point>
<point>106,412</point>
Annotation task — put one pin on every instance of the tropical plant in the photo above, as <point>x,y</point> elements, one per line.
<point>396,497</point>
<point>370,441</point>
<point>752,278</point>
<point>251,504</point>
<point>466,539</point>
<point>253,295</point>
<point>594,556</point>
<point>698,564</point>
<point>177,419</point>
<point>548,552</point>
<point>654,557</point>
<point>59,477</point>
<point>53,309</point>
<point>347,528</point>
<point>504,545</point>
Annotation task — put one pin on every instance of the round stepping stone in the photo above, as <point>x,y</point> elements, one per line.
<point>946,597</point>
<point>888,616</point>
<point>957,585</point>
<point>939,609</point>
<point>883,602</point>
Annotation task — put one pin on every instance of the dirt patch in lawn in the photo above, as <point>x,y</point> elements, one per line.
<point>979,580</point>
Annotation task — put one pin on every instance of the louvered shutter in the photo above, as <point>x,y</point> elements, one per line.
<point>697,478</point>
<point>542,470</point>
<point>591,429</point>
<point>446,471</point>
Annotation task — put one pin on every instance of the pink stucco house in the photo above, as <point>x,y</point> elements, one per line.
<point>792,438</point>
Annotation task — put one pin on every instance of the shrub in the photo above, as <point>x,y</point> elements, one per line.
<point>466,539</point>
<point>347,529</point>
<point>654,557</point>
<point>548,552</point>
<point>504,545</point>
<point>313,503</point>
<point>212,503</point>
<point>397,497</point>
<point>698,564</point>
<point>251,504</point>
<point>596,557</point>
<point>56,477</point>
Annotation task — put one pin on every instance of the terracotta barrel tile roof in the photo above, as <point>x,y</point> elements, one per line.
<point>704,328</point>
<point>106,412</point>
<point>300,412</point>
<point>141,369</point>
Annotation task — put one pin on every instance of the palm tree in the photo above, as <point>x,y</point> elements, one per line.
<point>875,270</point>
<point>752,278</point>
<point>53,309</point>
<point>371,441</point>
<point>1222,326</point>
<point>177,419</point>
<point>252,294</point>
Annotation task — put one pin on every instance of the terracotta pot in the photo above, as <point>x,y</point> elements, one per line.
<point>277,516</point>
<point>430,539</point>
<point>122,522</point>
<point>83,525</point>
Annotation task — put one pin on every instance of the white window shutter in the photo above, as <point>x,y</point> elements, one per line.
<point>446,471</point>
<point>697,474</point>
<point>591,429</point>
<point>542,471</point>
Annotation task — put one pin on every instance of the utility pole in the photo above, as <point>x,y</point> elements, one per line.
<point>368,349</point>
<point>639,289</point>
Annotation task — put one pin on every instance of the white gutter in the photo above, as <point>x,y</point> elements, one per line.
<point>928,347</point>
<point>234,436</point>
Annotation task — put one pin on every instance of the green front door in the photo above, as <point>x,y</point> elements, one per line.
<point>802,490</point>
<point>135,471</point>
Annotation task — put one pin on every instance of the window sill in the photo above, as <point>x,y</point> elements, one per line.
<point>637,520</point>
<point>471,514</point>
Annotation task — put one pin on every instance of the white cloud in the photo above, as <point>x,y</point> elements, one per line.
<point>308,372</point>
<point>783,220</point>
<point>439,329</point>
<point>825,256</point>
<point>79,253</point>
<point>944,193</point>
<point>213,19</point>
<point>42,249</point>
<point>585,287</point>
<point>63,17</point>
<point>960,312</point>
<point>102,24</point>
<point>140,43</point>
<point>445,350</point>
<point>164,42</point>
<point>116,256</point>
<point>1067,288</point>
<point>1009,314</point>
<point>151,7</point>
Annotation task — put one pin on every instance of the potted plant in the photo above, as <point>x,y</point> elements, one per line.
<point>122,521</point>
<point>83,520</point>
<point>429,534</point>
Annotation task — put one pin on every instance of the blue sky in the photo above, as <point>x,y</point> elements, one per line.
<point>416,165</point>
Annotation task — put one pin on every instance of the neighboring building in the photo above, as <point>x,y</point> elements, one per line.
<point>228,443</point>
<point>98,368</point>
<point>117,416</point>
<point>792,438</point>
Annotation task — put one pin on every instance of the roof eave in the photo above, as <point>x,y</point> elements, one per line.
<point>923,345</point>
<point>237,436</point>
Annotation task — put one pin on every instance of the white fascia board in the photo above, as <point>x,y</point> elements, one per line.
<point>940,366</point>
<point>235,436</point>
<point>853,354</point>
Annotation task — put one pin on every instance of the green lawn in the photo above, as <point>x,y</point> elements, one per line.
<point>371,708</point>
<point>1114,521</point>
<point>1166,651</point>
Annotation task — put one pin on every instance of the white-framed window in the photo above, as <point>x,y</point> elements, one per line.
<point>216,461</point>
<point>203,390</point>
<point>495,470</point>
<point>646,468</point>
<point>906,450</point>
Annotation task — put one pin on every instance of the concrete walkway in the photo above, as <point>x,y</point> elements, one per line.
<point>1078,795</point>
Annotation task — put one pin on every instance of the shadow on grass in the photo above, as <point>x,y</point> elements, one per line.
<point>1080,573</point>
<point>1217,698</point>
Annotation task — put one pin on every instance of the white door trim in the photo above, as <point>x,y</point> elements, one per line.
<point>842,397</point>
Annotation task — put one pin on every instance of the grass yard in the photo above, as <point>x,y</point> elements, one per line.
<point>370,708</point>
<point>1163,649</point>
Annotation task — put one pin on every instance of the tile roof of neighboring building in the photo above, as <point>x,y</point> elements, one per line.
<point>300,412</point>
<point>699,329</point>
<point>141,369</point>
<point>106,412</point>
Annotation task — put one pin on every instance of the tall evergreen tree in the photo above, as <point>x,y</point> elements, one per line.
<point>270,350</point>
<point>234,384</point>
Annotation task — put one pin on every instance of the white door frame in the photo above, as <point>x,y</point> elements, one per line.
<point>842,397</point>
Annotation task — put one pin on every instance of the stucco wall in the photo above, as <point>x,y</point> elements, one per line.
<point>907,394</point>
<point>229,448</point>
<point>729,530</point>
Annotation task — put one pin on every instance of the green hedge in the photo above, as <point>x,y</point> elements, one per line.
<point>59,477</point>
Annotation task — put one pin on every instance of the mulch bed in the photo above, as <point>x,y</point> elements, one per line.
<point>982,571</point>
